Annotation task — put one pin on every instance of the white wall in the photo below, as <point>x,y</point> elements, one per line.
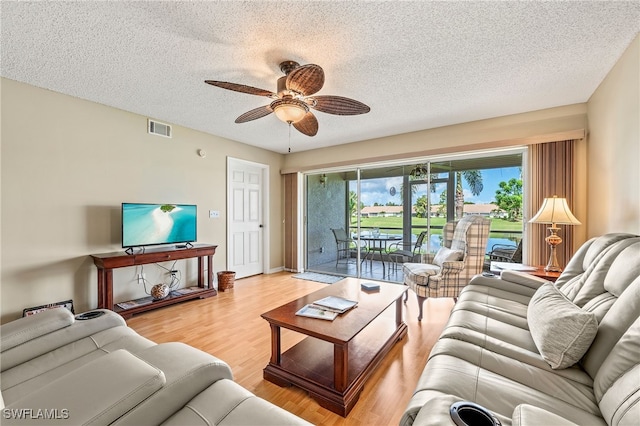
<point>68,164</point>
<point>614,148</point>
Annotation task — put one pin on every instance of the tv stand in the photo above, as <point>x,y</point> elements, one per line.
<point>107,262</point>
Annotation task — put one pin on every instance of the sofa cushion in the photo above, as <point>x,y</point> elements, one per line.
<point>233,405</point>
<point>561,331</point>
<point>188,372</point>
<point>31,375</point>
<point>447,255</point>
<point>420,272</point>
<point>99,392</point>
<point>475,374</point>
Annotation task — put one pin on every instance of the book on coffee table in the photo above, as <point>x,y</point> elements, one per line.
<point>335,304</point>
<point>316,312</point>
<point>370,286</point>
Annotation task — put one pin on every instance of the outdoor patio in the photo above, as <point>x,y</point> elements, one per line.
<point>371,269</point>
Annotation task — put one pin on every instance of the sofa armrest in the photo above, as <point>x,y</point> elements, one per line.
<point>522,278</point>
<point>433,412</point>
<point>529,415</point>
<point>26,342</point>
<point>512,281</point>
<point>97,393</point>
<point>452,267</point>
<point>22,330</point>
<point>438,411</point>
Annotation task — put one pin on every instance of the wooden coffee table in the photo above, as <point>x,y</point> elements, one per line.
<point>335,360</point>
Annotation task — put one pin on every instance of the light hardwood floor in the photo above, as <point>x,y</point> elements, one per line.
<point>229,327</point>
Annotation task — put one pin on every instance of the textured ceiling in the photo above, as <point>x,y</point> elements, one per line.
<point>418,65</point>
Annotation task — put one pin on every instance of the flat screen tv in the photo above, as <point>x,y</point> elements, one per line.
<point>154,224</point>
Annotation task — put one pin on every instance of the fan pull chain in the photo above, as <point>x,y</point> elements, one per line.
<point>289,136</point>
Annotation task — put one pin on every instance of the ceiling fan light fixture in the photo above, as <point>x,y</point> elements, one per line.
<point>295,97</point>
<point>289,110</point>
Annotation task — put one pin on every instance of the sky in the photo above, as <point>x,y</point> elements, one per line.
<point>379,190</point>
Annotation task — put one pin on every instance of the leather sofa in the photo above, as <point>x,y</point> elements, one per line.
<point>494,362</point>
<point>57,368</point>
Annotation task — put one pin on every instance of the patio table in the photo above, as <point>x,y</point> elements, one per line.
<point>378,243</point>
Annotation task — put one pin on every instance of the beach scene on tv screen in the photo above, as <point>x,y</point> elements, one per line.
<point>146,224</point>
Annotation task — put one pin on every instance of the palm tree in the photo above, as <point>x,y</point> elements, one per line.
<point>474,180</point>
<point>353,205</point>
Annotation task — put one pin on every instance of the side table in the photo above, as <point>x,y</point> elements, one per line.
<point>537,271</point>
<point>540,272</point>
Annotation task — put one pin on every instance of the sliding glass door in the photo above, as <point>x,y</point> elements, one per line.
<point>357,219</point>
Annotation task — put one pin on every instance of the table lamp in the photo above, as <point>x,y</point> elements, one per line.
<point>554,211</point>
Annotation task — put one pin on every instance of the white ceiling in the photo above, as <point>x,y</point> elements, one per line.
<point>417,64</point>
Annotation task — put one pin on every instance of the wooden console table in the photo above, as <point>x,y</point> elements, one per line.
<point>107,262</point>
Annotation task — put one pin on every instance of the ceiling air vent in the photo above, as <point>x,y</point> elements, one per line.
<point>160,129</point>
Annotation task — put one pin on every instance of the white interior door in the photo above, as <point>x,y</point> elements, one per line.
<point>245,252</point>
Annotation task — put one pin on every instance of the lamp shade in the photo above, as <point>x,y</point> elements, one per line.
<point>555,210</point>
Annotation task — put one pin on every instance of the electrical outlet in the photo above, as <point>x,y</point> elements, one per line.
<point>321,249</point>
<point>141,278</point>
<point>214,214</point>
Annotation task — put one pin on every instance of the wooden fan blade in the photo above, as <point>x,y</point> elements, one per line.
<point>254,114</point>
<point>308,125</point>
<point>339,105</point>
<point>240,88</point>
<point>307,79</point>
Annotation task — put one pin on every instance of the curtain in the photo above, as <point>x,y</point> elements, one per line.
<point>290,222</point>
<point>551,172</point>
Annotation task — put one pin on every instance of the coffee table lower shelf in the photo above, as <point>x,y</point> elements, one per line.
<point>311,364</point>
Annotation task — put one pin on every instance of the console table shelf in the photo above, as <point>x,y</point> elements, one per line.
<point>107,262</point>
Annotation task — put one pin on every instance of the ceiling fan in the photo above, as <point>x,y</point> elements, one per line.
<point>294,98</point>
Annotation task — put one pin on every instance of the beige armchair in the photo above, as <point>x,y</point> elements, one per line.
<point>447,272</point>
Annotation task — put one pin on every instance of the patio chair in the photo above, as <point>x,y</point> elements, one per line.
<point>345,246</point>
<point>503,253</point>
<point>506,253</point>
<point>447,272</point>
<point>405,251</point>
